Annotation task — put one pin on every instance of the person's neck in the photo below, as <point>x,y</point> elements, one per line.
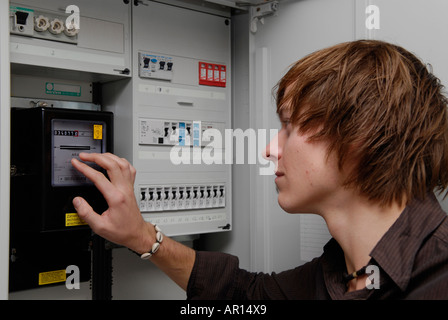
<point>357,225</point>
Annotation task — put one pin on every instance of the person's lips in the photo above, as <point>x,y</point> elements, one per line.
<point>279,174</point>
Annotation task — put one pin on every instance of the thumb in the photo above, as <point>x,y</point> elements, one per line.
<point>85,211</point>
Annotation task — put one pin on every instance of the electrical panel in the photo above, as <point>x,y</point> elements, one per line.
<point>171,124</point>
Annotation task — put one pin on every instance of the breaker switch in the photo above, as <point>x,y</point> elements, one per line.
<point>21,17</point>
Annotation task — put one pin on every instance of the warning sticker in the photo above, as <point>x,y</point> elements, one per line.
<point>98,131</point>
<point>72,219</point>
<point>52,277</point>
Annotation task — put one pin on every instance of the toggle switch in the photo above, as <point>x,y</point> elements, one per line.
<point>208,201</point>
<point>158,205</point>
<point>21,17</point>
<point>166,198</point>
<point>202,201</point>
<point>143,203</point>
<point>150,203</point>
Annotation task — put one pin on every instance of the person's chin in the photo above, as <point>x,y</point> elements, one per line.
<point>284,204</point>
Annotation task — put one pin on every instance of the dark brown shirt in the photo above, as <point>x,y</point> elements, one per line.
<point>412,260</point>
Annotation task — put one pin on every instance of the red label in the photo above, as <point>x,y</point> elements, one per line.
<point>212,74</point>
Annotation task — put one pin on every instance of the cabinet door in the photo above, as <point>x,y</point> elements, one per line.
<point>171,106</point>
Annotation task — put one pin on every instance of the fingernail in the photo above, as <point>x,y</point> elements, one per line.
<point>76,202</point>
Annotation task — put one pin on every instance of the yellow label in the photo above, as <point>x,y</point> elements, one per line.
<point>98,131</point>
<point>52,277</point>
<point>72,219</point>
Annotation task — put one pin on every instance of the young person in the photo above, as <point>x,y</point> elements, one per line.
<point>364,144</point>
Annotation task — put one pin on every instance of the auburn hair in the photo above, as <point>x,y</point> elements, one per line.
<point>379,104</point>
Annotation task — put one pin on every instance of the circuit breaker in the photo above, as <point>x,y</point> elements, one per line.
<point>46,233</point>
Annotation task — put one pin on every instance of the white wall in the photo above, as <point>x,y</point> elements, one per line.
<point>298,28</point>
<point>421,26</point>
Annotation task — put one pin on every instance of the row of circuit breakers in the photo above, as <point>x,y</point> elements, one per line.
<point>182,133</point>
<point>162,198</point>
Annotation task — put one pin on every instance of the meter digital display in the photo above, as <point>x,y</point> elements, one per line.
<point>69,138</point>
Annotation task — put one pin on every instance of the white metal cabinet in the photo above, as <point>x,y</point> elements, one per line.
<point>185,38</point>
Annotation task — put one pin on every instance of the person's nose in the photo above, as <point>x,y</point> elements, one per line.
<point>272,152</point>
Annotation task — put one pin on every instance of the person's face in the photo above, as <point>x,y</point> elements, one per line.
<point>306,177</point>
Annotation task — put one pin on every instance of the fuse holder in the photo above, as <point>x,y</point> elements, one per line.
<point>212,74</point>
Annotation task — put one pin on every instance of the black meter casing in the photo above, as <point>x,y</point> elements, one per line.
<point>46,234</point>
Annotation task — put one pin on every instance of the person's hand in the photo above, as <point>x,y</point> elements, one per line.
<point>122,223</point>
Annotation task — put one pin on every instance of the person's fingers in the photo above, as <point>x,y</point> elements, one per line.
<point>117,168</point>
<point>98,179</point>
<point>86,213</point>
<point>127,169</point>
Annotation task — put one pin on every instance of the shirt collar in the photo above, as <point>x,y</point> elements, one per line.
<point>394,253</point>
<point>396,250</point>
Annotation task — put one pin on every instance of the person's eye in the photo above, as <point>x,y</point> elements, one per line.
<point>285,122</point>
